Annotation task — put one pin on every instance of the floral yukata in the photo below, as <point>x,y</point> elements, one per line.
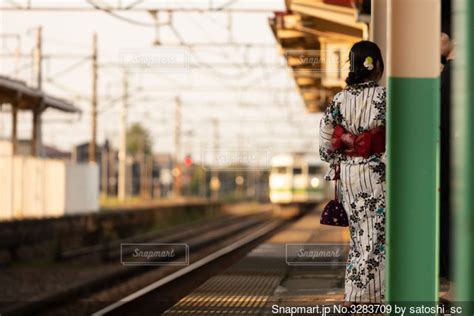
<point>359,108</point>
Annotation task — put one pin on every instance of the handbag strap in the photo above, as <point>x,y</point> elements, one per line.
<point>336,177</point>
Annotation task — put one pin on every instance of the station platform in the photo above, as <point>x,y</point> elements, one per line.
<point>266,278</point>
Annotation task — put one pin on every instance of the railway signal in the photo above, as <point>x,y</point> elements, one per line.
<point>188,161</point>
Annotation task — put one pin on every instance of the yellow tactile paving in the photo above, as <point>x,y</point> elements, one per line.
<point>263,277</point>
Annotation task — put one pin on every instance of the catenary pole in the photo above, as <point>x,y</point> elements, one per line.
<point>122,172</point>
<point>93,143</point>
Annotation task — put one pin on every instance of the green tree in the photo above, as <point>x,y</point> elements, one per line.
<point>138,137</point>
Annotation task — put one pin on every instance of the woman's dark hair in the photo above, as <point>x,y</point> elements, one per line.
<point>365,52</point>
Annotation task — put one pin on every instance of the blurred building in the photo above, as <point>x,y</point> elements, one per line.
<point>23,149</point>
<point>37,180</point>
<point>56,153</point>
<point>80,153</point>
<point>149,177</point>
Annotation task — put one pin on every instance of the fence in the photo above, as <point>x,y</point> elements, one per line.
<point>32,187</point>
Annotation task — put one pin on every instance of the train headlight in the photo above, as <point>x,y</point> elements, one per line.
<point>277,182</point>
<point>315,182</point>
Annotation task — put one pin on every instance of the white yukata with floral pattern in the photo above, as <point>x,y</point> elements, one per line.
<point>359,108</point>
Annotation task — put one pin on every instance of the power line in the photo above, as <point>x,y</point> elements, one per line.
<point>70,67</point>
<point>122,18</point>
<point>95,7</point>
<point>227,4</point>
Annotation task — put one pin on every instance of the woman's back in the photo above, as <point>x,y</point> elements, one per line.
<point>352,141</point>
<point>362,107</point>
<point>358,108</point>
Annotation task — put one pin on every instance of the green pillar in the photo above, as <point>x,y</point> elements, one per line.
<point>463,131</point>
<point>413,141</point>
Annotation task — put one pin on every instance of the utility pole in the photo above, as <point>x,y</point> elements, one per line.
<point>104,155</point>
<point>17,57</point>
<point>156,17</point>
<point>149,177</point>
<point>143,171</point>
<point>38,66</point>
<point>123,142</point>
<point>215,183</point>
<point>186,167</point>
<point>202,173</point>
<point>240,180</point>
<point>177,143</point>
<point>93,142</point>
<point>38,57</point>
<point>112,177</point>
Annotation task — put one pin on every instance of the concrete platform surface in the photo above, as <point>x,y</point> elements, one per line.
<point>274,275</point>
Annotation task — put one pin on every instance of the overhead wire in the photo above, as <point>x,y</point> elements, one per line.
<point>71,67</point>
<point>134,4</point>
<point>226,5</point>
<point>112,102</point>
<point>120,17</point>
<point>205,65</point>
<point>222,51</point>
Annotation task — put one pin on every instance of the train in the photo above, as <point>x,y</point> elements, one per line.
<point>298,180</point>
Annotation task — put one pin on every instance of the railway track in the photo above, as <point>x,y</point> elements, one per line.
<point>155,298</point>
<point>198,236</point>
<point>108,251</point>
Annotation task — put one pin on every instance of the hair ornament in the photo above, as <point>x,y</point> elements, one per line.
<point>369,63</point>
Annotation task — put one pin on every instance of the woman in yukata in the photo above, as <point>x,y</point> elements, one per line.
<point>352,141</point>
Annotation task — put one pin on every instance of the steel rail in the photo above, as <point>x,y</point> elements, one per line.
<point>113,308</point>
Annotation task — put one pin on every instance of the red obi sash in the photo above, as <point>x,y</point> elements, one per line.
<point>361,145</point>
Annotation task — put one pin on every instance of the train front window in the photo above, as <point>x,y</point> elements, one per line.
<point>279,170</point>
<point>297,170</point>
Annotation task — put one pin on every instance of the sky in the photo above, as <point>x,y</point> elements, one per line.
<point>247,89</point>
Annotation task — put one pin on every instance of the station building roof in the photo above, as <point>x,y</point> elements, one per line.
<point>19,94</point>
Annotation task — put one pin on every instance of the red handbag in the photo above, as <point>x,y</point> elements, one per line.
<point>334,213</point>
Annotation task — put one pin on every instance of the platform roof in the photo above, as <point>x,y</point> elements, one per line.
<point>305,26</point>
<point>19,94</point>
